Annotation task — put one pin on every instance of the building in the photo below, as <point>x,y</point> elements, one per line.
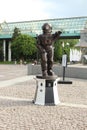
<point>83,44</point>
<point>70,27</point>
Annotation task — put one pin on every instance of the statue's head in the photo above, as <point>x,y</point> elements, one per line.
<point>47,28</point>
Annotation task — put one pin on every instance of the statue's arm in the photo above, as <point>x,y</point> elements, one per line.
<point>56,35</point>
<point>39,46</point>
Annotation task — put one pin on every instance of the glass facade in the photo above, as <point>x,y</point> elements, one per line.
<point>69,26</point>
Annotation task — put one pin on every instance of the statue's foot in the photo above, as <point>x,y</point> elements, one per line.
<point>50,73</point>
<point>44,73</point>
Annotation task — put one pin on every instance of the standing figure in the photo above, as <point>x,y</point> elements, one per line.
<point>45,45</point>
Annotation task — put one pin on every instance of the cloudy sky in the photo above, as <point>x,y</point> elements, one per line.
<point>26,10</point>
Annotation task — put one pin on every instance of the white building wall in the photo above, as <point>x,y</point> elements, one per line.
<point>4,49</point>
<point>75,55</point>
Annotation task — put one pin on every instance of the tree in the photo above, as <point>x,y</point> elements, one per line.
<point>59,49</point>
<point>23,47</point>
<point>16,33</point>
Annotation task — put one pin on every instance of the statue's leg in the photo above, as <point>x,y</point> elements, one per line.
<point>44,64</point>
<point>50,54</point>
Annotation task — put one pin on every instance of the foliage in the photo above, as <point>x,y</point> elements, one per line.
<point>23,47</point>
<point>57,51</point>
<point>6,62</point>
<point>60,50</point>
<point>16,33</point>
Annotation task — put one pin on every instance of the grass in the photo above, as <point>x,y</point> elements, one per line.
<point>6,62</point>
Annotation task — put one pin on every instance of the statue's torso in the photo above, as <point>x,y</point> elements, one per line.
<point>45,40</point>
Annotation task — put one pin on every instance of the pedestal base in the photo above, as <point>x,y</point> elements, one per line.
<point>46,92</point>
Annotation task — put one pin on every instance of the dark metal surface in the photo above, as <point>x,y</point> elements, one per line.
<point>45,45</point>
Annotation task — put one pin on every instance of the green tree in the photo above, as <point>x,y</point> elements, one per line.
<point>23,47</point>
<point>59,49</point>
<point>16,33</point>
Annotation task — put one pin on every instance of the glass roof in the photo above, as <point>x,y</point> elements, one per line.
<point>69,26</point>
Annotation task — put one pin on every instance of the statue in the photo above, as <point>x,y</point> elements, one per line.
<point>45,45</point>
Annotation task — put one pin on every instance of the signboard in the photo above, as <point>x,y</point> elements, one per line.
<point>64,60</point>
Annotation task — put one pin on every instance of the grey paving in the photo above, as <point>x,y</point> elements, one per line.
<point>8,72</point>
<point>72,70</point>
<point>17,112</point>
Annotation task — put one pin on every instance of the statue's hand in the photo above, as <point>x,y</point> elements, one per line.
<point>59,32</point>
<point>43,51</point>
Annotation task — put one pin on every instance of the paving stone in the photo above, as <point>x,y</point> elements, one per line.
<point>17,112</point>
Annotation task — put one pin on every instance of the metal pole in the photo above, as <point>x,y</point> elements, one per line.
<point>63,73</point>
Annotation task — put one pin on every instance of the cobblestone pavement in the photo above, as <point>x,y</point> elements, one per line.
<point>17,112</point>
<point>12,71</point>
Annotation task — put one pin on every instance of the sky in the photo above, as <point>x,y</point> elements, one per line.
<point>27,10</point>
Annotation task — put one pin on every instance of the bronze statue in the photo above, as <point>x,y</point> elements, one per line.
<point>45,45</point>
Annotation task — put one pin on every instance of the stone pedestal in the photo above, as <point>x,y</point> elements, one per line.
<point>46,92</point>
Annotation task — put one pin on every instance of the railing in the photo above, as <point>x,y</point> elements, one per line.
<point>9,35</point>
